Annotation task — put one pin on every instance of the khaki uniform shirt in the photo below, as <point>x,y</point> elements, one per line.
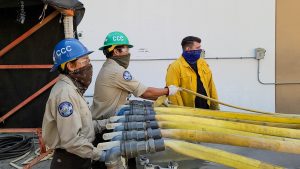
<point>67,122</point>
<point>113,85</point>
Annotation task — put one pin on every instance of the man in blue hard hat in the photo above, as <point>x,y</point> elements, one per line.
<point>67,125</point>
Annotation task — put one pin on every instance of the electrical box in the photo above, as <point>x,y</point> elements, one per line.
<point>260,53</point>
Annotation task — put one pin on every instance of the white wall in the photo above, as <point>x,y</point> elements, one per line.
<point>231,28</point>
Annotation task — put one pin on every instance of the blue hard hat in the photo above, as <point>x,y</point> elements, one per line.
<point>67,50</point>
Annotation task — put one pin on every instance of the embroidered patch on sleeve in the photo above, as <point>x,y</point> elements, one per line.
<point>127,76</point>
<point>65,109</point>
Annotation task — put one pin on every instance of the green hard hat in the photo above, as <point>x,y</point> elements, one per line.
<point>115,38</point>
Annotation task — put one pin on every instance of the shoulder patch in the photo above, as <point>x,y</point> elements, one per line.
<point>127,76</point>
<point>65,109</point>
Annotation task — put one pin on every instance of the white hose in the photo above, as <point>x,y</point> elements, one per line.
<point>68,27</point>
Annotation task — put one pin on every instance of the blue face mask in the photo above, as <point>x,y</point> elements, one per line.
<point>192,56</point>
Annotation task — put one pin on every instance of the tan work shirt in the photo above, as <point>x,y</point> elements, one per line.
<point>67,122</point>
<point>113,85</point>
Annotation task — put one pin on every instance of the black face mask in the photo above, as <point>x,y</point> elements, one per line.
<point>82,77</point>
<point>122,60</point>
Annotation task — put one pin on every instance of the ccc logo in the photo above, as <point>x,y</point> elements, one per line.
<point>63,50</point>
<point>118,38</point>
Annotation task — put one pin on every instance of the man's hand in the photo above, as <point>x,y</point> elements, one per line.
<point>100,125</point>
<point>173,90</point>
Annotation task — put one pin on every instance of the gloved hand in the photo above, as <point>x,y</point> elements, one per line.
<point>166,102</point>
<point>173,90</point>
<point>100,125</point>
<point>102,156</point>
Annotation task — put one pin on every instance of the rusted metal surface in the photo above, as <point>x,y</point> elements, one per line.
<point>25,66</point>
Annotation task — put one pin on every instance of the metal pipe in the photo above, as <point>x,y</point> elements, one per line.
<point>142,135</point>
<point>122,111</point>
<point>28,33</point>
<point>113,158</point>
<point>38,131</point>
<point>19,130</point>
<point>29,99</point>
<point>137,126</point>
<point>134,118</point>
<point>131,149</point>
<point>25,66</point>
<point>167,59</point>
<point>68,27</point>
<point>134,135</point>
<point>270,83</point>
<point>139,111</point>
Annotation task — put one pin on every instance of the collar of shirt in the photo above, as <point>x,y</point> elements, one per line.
<point>184,62</point>
<point>68,81</point>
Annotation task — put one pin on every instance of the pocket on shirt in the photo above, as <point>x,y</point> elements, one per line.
<point>185,80</point>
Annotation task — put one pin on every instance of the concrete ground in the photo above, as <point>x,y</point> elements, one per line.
<point>4,164</point>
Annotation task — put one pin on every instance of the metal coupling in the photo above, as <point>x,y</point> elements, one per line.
<point>130,149</point>
<point>142,135</point>
<point>139,118</point>
<point>140,125</point>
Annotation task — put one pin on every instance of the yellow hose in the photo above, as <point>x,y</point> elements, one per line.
<point>217,156</point>
<point>232,139</point>
<point>274,118</point>
<point>273,131</point>
<point>200,127</point>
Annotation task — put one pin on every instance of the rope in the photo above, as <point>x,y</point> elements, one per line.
<point>222,103</point>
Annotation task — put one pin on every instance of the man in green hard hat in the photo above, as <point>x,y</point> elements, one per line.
<point>114,83</point>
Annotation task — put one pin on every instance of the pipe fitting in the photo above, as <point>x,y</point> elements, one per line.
<point>141,107</point>
<point>142,135</point>
<point>113,158</point>
<point>133,135</point>
<point>141,103</point>
<point>123,111</point>
<point>140,125</point>
<point>139,118</point>
<point>140,111</point>
<point>136,126</point>
<point>130,149</point>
